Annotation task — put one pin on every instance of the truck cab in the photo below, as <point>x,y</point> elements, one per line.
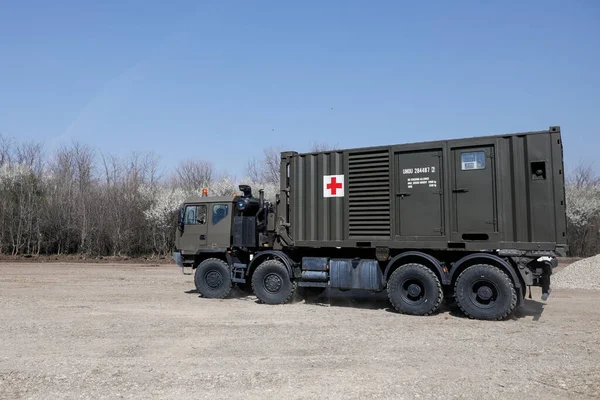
<point>204,227</point>
<point>221,227</point>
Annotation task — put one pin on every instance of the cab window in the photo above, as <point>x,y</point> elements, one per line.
<point>220,211</point>
<point>195,215</point>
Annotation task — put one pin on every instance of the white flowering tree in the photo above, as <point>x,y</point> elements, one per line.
<point>583,204</point>
<point>583,212</point>
<point>161,214</point>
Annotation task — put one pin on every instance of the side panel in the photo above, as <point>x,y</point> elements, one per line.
<point>541,190</point>
<point>314,217</point>
<point>532,189</point>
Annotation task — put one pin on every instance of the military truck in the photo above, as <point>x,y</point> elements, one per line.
<point>474,220</point>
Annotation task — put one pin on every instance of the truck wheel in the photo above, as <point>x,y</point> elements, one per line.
<point>213,279</point>
<point>271,283</point>
<point>414,289</point>
<point>485,292</point>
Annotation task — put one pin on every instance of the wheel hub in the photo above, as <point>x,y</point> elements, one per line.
<point>484,293</point>
<point>213,279</point>
<point>414,290</point>
<point>273,283</point>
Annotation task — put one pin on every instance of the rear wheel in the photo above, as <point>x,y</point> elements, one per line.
<point>271,283</point>
<point>485,292</point>
<point>414,289</point>
<point>213,279</point>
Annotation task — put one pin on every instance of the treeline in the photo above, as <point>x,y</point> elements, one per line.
<point>583,212</point>
<point>79,201</point>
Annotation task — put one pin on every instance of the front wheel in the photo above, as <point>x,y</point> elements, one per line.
<point>485,292</point>
<point>213,279</point>
<point>414,289</point>
<point>272,284</point>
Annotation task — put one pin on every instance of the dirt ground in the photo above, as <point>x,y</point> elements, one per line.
<point>138,331</point>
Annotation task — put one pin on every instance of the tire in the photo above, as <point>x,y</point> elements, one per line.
<point>271,283</point>
<point>213,279</point>
<point>485,292</point>
<point>414,289</point>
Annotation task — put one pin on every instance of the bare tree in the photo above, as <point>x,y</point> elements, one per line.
<point>265,170</point>
<point>194,174</point>
<point>21,196</point>
<point>317,147</point>
<point>6,145</point>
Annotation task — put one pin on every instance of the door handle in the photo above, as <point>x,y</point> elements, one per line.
<point>462,190</point>
<point>403,194</point>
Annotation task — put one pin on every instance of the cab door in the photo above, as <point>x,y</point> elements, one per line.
<point>193,235</point>
<point>220,226</point>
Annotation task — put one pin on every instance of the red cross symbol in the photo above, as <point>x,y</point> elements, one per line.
<point>333,185</point>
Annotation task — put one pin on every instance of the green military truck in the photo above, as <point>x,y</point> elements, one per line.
<point>478,220</point>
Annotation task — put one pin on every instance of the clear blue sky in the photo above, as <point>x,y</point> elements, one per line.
<point>220,80</point>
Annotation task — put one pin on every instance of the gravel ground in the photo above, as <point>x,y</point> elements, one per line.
<point>582,274</point>
<point>124,331</point>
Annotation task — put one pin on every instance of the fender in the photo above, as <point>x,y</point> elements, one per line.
<point>486,256</point>
<point>229,259</point>
<point>260,257</point>
<point>445,276</point>
<point>492,257</point>
<point>203,254</point>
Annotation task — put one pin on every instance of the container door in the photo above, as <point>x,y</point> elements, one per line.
<point>419,194</point>
<point>474,193</point>
<point>195,228</point>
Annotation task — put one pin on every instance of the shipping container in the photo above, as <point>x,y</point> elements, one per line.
<point>495,192</point>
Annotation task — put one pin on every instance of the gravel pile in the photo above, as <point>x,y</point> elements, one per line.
<point>583,274</point>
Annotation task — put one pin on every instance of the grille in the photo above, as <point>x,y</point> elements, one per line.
<point>244,231</point>
<point>369,194</point>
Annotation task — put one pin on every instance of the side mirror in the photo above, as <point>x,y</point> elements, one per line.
<point>180,219</point>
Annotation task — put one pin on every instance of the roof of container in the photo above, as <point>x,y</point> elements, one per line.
<point>383,146</point>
